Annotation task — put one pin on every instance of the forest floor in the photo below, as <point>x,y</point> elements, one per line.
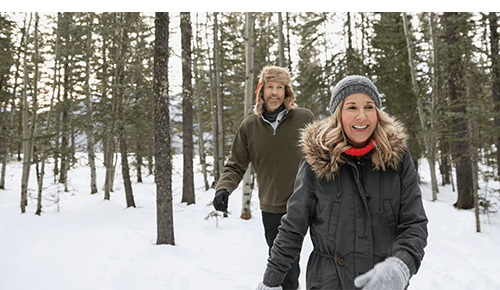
<point>85,242</point>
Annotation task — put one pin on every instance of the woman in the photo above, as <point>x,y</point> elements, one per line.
<point>357,192</point>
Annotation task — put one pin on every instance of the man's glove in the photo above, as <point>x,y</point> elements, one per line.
<point>390,274</point>
<point>221,200</point>
<point>264,287</point>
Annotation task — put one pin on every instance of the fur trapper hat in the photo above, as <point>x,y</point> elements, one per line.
<point>273,74</point>
<point>351,85</point>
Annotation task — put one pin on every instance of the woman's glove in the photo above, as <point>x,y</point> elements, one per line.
<point>221,200</point>
<point>264,287</point>
<point>390,274</point>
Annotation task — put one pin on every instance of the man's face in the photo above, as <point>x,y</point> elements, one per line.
<point>274,95</point>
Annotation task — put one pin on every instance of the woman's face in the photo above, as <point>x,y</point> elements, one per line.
<point>359,118</point>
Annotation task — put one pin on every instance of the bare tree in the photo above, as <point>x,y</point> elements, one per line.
<point>188,195</point>
<point>201,142</point>
<point>88,103</point>
<point>27,145</point>
<point>219,103</point>
<point>428,141</point>
<point>246,211</point>
<point>163,162</point>
<point>119,96</point>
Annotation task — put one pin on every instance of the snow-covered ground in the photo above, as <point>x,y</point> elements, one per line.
<point>84,242</point>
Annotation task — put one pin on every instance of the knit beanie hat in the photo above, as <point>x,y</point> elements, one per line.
<point>273,74</point>
<point>351,85</point>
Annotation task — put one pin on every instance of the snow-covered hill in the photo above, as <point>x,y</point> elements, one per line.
<point>84,242</point>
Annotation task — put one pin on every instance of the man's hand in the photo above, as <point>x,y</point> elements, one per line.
<point>221,200</point>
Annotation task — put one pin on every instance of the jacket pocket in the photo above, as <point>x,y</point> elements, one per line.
<point>334,221</point>
<point>327,283</point>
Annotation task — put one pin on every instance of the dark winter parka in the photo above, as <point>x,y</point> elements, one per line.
<point>357,218</point>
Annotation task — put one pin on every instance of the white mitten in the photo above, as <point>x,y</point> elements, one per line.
<point>391,274</point>
<point>264,287</point>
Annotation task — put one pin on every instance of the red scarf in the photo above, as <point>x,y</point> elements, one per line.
<point>360,151</point>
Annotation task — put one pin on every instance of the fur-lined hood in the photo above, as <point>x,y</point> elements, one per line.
<point>322,162</point>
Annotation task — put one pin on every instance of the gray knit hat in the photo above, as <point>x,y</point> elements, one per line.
<point>351,85</point>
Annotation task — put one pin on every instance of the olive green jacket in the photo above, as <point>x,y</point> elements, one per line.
<point>275,157</point>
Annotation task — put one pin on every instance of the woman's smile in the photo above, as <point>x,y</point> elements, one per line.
<point>359,118</point>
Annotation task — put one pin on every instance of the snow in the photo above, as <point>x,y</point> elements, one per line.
<point>85,242</point>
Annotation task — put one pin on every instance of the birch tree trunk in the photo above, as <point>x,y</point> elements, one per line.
<point>201,142</point>
<point>188,195</point>
<point>26,147</point>
<point>34,118</point>
<point>246,212</point>
<point>428,141</point>
<point>88,104</point>
<point>163,162</point>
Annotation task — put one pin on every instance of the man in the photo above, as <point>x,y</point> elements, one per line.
<point>269,139</point>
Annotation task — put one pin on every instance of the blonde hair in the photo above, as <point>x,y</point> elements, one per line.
<point>388,134</point>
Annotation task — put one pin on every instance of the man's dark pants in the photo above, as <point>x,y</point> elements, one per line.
<point>271,223</point>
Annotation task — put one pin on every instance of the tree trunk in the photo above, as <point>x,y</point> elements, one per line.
<point>215,126</point>
<point>188,195</point>
<point>461,148</point>
<point>10,128</point>
<point>495,75</point>
<point>26,143</point>
<point>163,174</point>
<point>246,212</point>
<point>119,95</point>
<point>474,137</point>
<point>88,103</point>
<point>219,104</point>
<point>281,40</point>
<point>34,120</point>
<point>201,142</point>
<point>429,142</point>
<point>66,106</point>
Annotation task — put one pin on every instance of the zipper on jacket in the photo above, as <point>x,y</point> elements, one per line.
<point>276,123</point>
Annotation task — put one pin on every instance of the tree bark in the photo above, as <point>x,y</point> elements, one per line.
<point>88,103</point>
<point>163,162</point>
<point>461,146</point>
<point>219,103</point>
<point>119,96</point>
<point>428,141</point>
<point>26,144</point>
<point>188,194</point>
<point>201,142</point>
<point>246,211</point>
<point>495,75</point>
